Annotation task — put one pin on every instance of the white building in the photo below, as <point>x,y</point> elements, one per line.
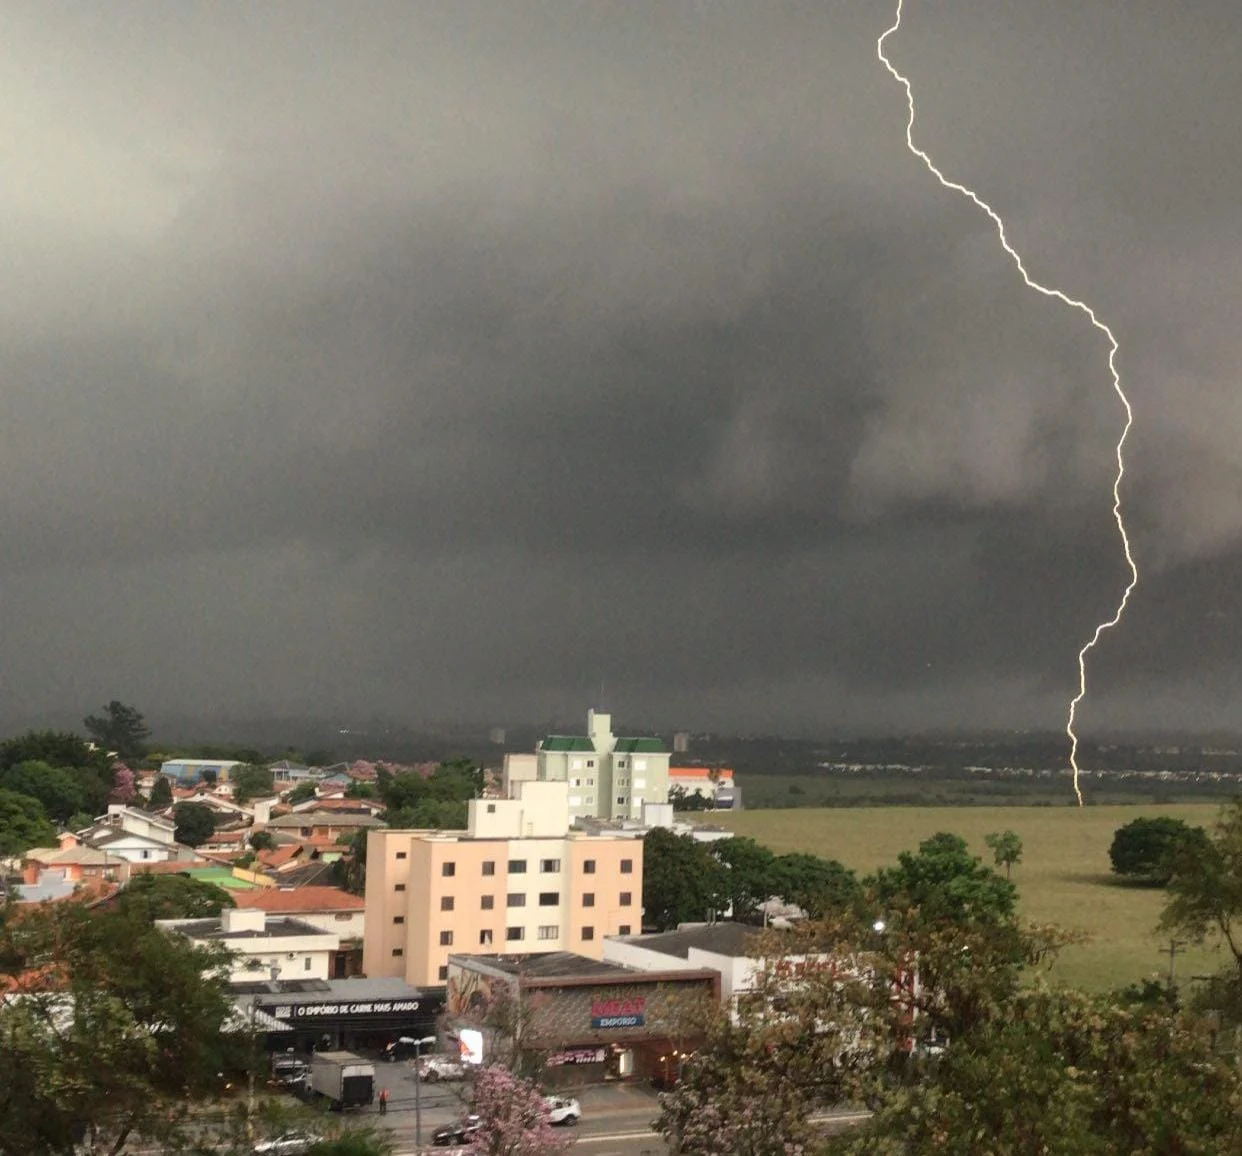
<point>730,949</point>
<point>136,836</point>
<point>192,770</point>
<point>292,948</point>
<point>608,777</point>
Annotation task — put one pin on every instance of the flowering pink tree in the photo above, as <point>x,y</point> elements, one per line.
<point>123,790</point>
<point>513,1118</point>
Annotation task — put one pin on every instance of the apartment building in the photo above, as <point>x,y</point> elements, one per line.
<point>607,777</point>
<point>516,880</point>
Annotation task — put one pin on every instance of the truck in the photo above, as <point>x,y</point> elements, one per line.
<point>346,1079</point>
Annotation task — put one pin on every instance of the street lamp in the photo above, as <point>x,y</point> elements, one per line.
<point>418,1103</point>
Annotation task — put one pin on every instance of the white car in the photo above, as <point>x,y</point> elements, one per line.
<point>433,1068</point>
<point>288,1144</point>
<point>563,1110</point>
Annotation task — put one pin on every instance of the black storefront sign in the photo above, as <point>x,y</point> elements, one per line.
<point>361,1009</point>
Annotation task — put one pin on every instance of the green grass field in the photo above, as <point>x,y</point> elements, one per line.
<point>1064,876</point>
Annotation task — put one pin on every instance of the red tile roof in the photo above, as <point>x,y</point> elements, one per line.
<point>278,901</point>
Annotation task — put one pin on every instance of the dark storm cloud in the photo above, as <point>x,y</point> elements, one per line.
<point>453,359</point>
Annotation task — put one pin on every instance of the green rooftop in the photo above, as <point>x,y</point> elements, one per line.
<point>568,743</point>
<point>640,747</point>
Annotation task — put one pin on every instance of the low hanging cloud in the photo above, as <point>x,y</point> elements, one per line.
<point>448,362</point>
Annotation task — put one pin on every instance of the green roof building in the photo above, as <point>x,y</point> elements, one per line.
<point>607,777</point>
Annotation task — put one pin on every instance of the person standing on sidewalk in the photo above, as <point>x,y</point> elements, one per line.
<point>383,1101</point>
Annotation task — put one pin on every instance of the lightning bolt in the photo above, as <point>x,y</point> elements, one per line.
<point>1085,309</point>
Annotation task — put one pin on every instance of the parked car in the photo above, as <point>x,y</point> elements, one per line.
<point>461,1132</point>
<point>289,1071</point>
<point>288,1144</point>
<point>563,1110</point>
<point>433,1068</point>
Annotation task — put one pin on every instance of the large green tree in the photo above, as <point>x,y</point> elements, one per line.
<point>161,793</point>
<point>819,886</point>
<point>683,882</point>
<point>1006,848</point>
<point>120,729</point>
<point>747,873</point>
<point>1064,1074</point>
<point>117,1035</point>
<point>250,782</point>
<point>61,790</point>
<point>23,824</point>
<point>56,748</point>
<point>1143,849</point>
<point>195,822</point>
<point>149,897</point>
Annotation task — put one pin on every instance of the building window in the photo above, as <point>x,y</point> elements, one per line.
<point>626,898</point>
<point>588,899</point>
<point>448,869</point>
<point>590,762</point>
<point>446,939</point>
<point>590,782</point>
<point>489,867</point>
<point>588,867</point>
<point>399,887</point>
<point>446,903</point>
<point>485,938</point>
<point>549,898</point>
<point>398,919</point>
<point>576,783</point>
<point>620,799</point>
<point>549,866</point>
<point>590,798</point>
<point>588,933</point>
<point>307,964</point>
<point>513,934</point>
<point>491,808</point>
<point>517,866</point>
<point>487,902</point>
<point>342,918</point>
<point>621,764</point>
<point>398,952</point>
<point>516,899</point>
<point>624,929</point>
<point>403,854</point>
<point>444,971</point>
<point>549,931</point>
<point>627,866</point>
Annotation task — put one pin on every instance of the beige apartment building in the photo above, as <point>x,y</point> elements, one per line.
<point>516,880</point>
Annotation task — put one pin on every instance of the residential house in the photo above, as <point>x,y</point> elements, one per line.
<point>136,836</point>
<point>328,908</point>
<point>281,946</point>
<point>320,824</point>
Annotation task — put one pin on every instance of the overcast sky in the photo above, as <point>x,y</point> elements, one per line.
<point>452,360</point>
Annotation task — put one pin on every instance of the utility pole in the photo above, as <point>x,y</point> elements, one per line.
<point>418,1083</point>
<point>1175,945</point>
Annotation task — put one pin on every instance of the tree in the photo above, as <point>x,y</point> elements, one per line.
<point>1205,887</point>
<point>250,782</point>
<point>303,793</point>
<point>118,1034</point>
<point>683,882</point>
<point>120,730</point>
<point>513,1117</point>
<point>818,886</point>
<point>195,822</point>
<point>59,790</point>
<point>161,793</point>
<point>150,897</point>
<point>263,841</point>
<point>23,824</point>
<point>123,790</point>
<point>748,873</point>
<point>799,1042</point>
<point>55,748</point>
<point>1142,849</point>
<point>945,882</point>
<point>1064,1074</point>
<point>1006,849</point>
<point>349,872</point>
<point>360,790</point>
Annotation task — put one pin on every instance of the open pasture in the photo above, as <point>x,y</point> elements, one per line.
<point>1064,877</point>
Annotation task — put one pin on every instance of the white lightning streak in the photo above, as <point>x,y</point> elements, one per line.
<point>1085,309</point>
